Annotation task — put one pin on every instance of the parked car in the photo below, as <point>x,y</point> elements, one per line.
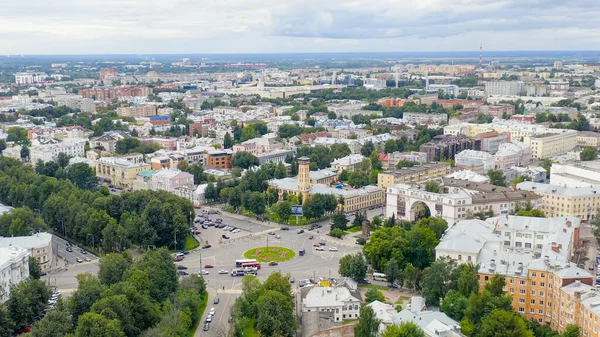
<point>300,231</point>
<point>212,311</point>
<point>285,228</point>
<point>78,260</point>
<point>219,220</point>
<point>69,249</point>
<point>273,263</point>
<point>271,233</point>
<point>225,236</point>
<point>208,266</point>
<point>322,243</point>
<point>182,272</point>
<point>216,301</point>
<point>320,248</point>
<point>83,251</point>
<point>206,246</point>
<point>292,280</point>
<point>209,318</point>
<point>204,226</point>
<point>302,252</point>
<point>206,326</point>
<point>181,267</point>
<point>197,207</point>
<point>311,237</point>
<point>277,236</point>
<point>591,267</point>
<point>223,271</point>
<point>316,244</point>
<point>332,249</point>
<point>203,272</point>
<point>87,259</point>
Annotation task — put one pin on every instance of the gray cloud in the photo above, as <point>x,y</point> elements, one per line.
<point>172,26</point>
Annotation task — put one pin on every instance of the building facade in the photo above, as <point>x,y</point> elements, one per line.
<point>351,163</point>
<point>39,247</point>
<point>119,172</point>
<point>137,111</point>
<point>551,144</point>
<point>72,147</point>
<point>413,175</point>
<point>170,180</point>
<point>560,201</point>
<point>14,269</point>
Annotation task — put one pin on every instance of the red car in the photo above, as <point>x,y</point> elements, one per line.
<point>196,232</point>
<point>209,266</point>
<point>179,258</point>
<point>197,206</point>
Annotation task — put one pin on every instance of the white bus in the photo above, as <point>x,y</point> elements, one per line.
<point>239,263</point>
<point>379,277</point>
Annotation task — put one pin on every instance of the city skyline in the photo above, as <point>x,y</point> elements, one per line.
<point>132,27</point>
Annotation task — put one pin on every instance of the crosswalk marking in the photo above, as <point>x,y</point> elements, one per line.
<point>230,291</point>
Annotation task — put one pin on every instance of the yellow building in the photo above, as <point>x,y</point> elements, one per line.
<point>588,138</point>
<point>303,186</point>
<point>413,175</point>
<point>137,111</point>
<point>119,172</point>
<point>560,201</point>
<point>551,144</point>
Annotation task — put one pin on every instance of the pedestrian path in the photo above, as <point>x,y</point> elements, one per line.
<point>230,291</point>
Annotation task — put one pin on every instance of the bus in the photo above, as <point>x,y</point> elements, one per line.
<point>251,271</point>
<point>251,264</point>
<point>237,272</point>
<point>238,263</point>
<point>379,277</point>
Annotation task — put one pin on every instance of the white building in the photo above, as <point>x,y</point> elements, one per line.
<point>29,78</point>
<point>478,161</point>
<point>421,117</point>
<point>14,268</point>
<point>340,302</point>
<point>76,102</point>
<point>72,147</point>
<point>503,87</point>
<point>350,163</point>
<point>39,246</point>
<point>582,174</point>
<point>512,154</point>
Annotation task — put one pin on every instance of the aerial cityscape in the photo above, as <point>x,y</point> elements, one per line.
<point>351,171</point>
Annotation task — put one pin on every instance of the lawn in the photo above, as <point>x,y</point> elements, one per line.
<point>291,221</point>
<point>273,253</point>
<point>354,229</point>
<point>346,321</point>
<point>200,313</point>
<point>373,286</point>
<point>190,243</point>
<point>249,329</point>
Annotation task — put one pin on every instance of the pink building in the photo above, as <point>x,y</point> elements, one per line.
<point>258,146</point>
<point>512,154</point>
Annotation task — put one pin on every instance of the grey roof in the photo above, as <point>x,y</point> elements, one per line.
<point>38,240</point>
<point>433,323</point>
<point>292,185</point>
<point>559,190</point>
<point>328,297</point>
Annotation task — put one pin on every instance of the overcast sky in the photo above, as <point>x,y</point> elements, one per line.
<point>273,26</point>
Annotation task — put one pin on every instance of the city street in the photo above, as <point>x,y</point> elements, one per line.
<point>223,255</point>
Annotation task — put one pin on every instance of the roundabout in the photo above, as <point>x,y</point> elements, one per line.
<point>270,254</point>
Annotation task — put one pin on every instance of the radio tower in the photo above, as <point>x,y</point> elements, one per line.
<point>480,70</point>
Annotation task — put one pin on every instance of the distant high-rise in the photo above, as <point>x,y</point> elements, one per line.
<point>558,65</point>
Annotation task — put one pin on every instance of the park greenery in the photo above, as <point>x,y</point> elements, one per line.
<point>93,218</point>
<point>128,299</point>
<point>265,308</point>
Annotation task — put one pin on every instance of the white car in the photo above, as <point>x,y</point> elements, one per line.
<point>211,312</point>
<point>320,248</point>
<point>277,236</point>
<point>332,249</point>
<point>223,271</point>
<point>236,231</point>
<point>203,272</point>
<point>209,318</point>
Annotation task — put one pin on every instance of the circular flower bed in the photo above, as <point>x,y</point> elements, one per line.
<point>273,253</point>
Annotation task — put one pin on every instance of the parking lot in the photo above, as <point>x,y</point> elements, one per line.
<point>223,253</point>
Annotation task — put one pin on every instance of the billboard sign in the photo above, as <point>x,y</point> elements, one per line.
<point>297,210</point>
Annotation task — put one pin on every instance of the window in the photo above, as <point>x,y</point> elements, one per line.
<point>522,300</point>
<point>522,282</point>
<point>532,311</point>
<point>534,274</point>
<point>507,243</point>
<point>533,292</point>
<point>527,245</point>
<point>521,309</point>
<point>541,311</point>
<point>533,283</point>
<point>542,284</point>
<point>507,234</point>
<point>518,244</point>
<point>532,301</point>
<point>512,290</point>
<point>512,281</point>
<point>522,291</point>
<point>519,235</point>
<point>486,278</point>
<point>541,293</point>
<point>469,258</point>
<point>459,257</point>
<point>541,302</point>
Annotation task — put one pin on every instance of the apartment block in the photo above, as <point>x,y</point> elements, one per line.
<point>29,78</point>
<point>498,111</point>
<point>218,158</point>
<point>551,144</point>
<point>413,175</point>
<point>446,147</point>
<point>112,94</point>
<point>258,146</point>
<point>561,201</point>
<point>59,133</point>
<point>503,88</point>
<point>490,141</point>
<point>137,111</point>
<point>588,138</point>
<point>14,268</point>
<point>512,154</point>
<point>170,180</point>
<point>476,161</point>
<point>425,118</point>
<point>579,174</point>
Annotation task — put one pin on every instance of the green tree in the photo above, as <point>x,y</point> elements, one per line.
<point>392,270</point>
<point>496,285</point>
<point>21,221</point>
<point>276,315</point>
<point>56,323</point>
<point>197,171</point>
<point>340,221</point>
<point>358,179</point>
<point>160,272</point>
<point>3,145</point>
<point>468,282</point>
<point>497,177</point>
<point>113,267</point>
<point>536,213</point>
<point>353,266</point>
<point>96,325</point>
<point>339,150</point>
<point>571,331</point>
<point>436,225</point>
<point>336,233</point>
<point>284,210</point>
<point>227,141</point>
<point>368,324</point>
<point>18,135</point>
<point>257,203</point>
<point>367,149</point>
<point>244,160</point>
<point>35,271</point>
<point>373,294</point>
<point>432,186</point>
<point>127,145</point>
<point>288,130</point>
<point>27,300</point>
<point>405,329</point>
<point>501,323</point>
<point>588,153</point>
<point>439,278</point>
<point>454,305</point>
<point>24,153</point>
<point>88,292</point>
<point>82,176</point>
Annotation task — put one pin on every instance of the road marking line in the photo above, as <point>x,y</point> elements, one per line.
<point>229,291</point>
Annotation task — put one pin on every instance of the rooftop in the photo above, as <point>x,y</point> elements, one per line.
<point>559,190</point>
<point>38,240</point>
